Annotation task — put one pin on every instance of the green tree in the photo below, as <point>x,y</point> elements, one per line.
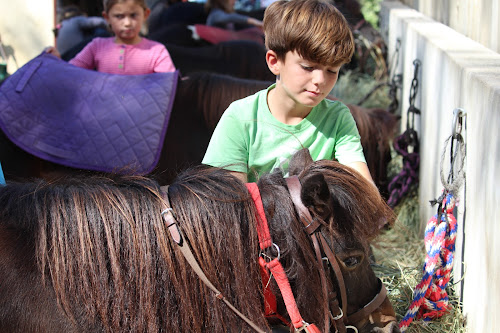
<point>371,10</point>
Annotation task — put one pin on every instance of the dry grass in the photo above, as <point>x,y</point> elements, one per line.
<point>353,86</point>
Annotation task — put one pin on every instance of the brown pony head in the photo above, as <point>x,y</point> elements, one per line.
<point>353,211</point>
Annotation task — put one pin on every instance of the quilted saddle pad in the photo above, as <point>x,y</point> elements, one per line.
<point>86,119</point>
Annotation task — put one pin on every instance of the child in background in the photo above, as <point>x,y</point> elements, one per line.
<point>75,27</point>
<point>307,41</point>
<point>221,15</point>
<point>126,52</point>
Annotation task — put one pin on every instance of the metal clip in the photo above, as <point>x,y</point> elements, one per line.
<point>269,257</point>
<point>456,127</point>
<point>303,327</point>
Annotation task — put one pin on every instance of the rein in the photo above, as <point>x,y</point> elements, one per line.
<point>176,234</point>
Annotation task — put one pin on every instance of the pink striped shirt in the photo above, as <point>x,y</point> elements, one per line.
<point>104,55</point>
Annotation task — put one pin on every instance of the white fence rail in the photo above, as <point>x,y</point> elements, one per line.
<point>457,72</point>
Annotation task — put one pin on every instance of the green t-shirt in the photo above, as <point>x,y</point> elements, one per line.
<point>249,139</point>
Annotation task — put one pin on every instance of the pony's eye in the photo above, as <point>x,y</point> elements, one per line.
<point>352,262</point>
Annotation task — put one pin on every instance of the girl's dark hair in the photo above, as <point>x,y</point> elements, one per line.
<point>70,11</point>
<point>107,4</point>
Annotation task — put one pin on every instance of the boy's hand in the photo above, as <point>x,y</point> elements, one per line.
<point>52,50</point>
<point>240,175</point>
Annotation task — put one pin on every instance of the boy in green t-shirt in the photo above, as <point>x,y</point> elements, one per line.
<point>307,41</point>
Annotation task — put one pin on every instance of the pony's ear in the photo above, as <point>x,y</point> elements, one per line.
<point>299,161</point>
<point>316,195</point>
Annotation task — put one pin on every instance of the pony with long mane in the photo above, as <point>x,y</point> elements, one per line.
<point>87,254</point>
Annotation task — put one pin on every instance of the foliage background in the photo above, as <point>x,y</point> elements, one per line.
<point>371,10</point>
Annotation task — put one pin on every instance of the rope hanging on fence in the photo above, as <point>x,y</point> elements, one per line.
<point>407,145</point>
<point>430,296</point>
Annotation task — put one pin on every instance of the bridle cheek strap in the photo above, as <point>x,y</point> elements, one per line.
<point>312,227</point>
<point>176,234</point>
<point>275,267</point>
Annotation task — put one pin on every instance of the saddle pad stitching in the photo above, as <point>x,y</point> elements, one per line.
<point>142,133</point>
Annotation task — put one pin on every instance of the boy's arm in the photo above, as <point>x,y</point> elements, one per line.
<point>362,168</point>
<point>92,22</point>
<point>241,176</point>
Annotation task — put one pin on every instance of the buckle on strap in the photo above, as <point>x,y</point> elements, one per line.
<point>339,316</point>
<point>352,328</point>
<point>307,328</point>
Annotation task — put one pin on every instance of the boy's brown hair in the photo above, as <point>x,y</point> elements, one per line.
<point>315,29</point>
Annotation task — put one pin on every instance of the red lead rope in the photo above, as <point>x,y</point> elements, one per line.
<point>276,269</point>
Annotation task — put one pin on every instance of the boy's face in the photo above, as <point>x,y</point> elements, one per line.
<point>305,82</point>
<point>126,20</point>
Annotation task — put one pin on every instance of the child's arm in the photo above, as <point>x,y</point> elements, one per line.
<point>227,147</point>
<point>93,22</point>
<point>163,62</point>
<point>219,18</point>
<point>86,57</point>
<point>241,176</point>
<point>362,168</point>
<point>52,50</point>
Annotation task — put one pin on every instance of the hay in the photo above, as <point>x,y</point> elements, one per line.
<point>352,86</point>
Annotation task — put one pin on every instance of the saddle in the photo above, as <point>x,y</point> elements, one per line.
<point>86,119</point>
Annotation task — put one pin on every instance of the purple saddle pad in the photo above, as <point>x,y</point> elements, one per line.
<point>86,119</point>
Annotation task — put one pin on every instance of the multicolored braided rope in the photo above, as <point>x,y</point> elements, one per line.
<point>430,297</point>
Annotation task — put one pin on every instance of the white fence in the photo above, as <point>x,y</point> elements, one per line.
<point>476,19</point>
<point>25,29</point>
<point>456,72</point>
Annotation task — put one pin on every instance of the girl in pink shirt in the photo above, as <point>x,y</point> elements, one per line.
<point>127,52</point>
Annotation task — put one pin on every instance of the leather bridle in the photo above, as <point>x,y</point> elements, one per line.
<point>312,227</point>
